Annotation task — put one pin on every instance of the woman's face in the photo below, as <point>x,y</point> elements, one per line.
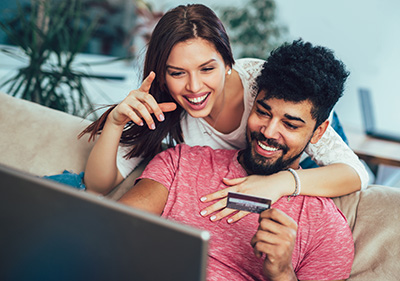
<point>195,76</point>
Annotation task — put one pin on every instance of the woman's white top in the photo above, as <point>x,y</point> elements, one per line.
<point>330,149</point>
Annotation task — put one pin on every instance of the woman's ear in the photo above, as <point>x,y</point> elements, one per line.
<point>319,132</point>
<point>228,69</point>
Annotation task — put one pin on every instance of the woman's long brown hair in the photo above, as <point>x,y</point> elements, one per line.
<point>177,25</point>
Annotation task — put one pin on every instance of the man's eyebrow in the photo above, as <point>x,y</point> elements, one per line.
<point>288,116</point>
<point>201,65</point>
<point>263,104</point>
<point>294,118</point>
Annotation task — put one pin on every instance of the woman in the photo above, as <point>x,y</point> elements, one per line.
<point>199,95</point>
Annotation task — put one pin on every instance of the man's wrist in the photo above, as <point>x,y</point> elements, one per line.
<point>288,275</point>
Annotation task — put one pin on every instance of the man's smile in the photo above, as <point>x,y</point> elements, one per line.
<point>267,148</point>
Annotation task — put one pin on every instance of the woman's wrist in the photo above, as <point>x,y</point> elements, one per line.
<point>297,188</point>
<point>287,183</point>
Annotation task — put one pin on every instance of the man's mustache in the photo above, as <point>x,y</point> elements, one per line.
<point>271,142</point>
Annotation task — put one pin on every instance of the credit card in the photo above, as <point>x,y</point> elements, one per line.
<point>249,203</point>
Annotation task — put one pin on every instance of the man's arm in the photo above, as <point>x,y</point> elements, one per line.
<point>147,195</point>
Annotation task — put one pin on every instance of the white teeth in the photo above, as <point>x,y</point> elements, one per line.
<point>198,99</point>
<point>267,148</point>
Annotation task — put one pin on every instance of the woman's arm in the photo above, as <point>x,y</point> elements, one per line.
<point>343,174</point>
<point>331,149</point>
<point>101,173</point>
<point>329,181</point>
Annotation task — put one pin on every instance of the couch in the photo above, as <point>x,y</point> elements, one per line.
<point>43,141</point>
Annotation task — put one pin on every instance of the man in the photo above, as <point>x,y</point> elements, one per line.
<point>305,238</point>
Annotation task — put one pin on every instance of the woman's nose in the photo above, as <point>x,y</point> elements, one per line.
<point>194,84</point>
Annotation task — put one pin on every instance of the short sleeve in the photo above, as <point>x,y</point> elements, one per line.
<point>330,254</point>
<point>126,166</point>
<point>162,168</point>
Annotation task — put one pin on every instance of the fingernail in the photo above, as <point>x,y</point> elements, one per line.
<point>161,117</point>
<point>230,220</point>
<point>212,218</point>
<point>203,213</point>
<point>141,124</point>
<point>153,126</point>
<point>202,199</point>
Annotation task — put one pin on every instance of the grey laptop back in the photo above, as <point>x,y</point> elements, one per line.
<point>53,232</point>
<point>368,118</point>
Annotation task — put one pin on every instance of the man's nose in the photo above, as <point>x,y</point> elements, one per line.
<point>270,130</point>
<point>194,84</point>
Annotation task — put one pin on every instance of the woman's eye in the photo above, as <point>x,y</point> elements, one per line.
<point>176,73</point>
<point>206,69</point>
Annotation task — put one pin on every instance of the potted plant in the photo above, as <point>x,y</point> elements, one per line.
<point>253,28</point>
<point>50,35</point>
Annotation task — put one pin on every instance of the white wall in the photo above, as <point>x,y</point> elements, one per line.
<point>365,34</point>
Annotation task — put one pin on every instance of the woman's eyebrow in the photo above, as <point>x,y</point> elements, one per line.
<point>180,68</point>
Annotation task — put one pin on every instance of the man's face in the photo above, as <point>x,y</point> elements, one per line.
<point>278,131</point>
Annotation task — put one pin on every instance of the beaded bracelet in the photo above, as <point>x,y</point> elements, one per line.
<point>297,189</point>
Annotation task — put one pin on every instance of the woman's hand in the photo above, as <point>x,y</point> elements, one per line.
<point>271,187</point>
<point>139,105</point>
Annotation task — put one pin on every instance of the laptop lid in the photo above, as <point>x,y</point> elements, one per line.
<point>53,232</point>
<point>369,119</point>
<point>367,110</point>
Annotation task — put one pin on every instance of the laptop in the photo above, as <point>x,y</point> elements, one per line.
<point>369,119</point>
<point>49,231</point>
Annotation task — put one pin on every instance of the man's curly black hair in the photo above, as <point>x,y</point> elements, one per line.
<point>300,71</point>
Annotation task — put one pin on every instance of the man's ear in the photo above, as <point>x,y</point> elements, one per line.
<point>318,133</point>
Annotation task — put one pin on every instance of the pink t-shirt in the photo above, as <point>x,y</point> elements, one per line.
<point>324,246</point>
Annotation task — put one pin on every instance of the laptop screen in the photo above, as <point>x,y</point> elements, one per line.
<point>53,232</point>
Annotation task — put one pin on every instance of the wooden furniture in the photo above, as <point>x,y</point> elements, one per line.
<point>372,150</point>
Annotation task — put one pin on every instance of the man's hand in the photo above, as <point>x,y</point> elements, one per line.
<point>276,237</point>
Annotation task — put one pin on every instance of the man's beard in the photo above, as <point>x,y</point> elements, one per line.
<point>259,165</point>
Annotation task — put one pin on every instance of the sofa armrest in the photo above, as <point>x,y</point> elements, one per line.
<point>40,140</point>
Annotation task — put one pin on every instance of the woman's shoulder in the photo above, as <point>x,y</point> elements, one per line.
<point>249,64</point>
<point>248,68</point>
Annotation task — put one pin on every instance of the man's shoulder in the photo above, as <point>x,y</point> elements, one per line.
<point>184,149</point>
<point>324,243</point>
<point>312,208</point>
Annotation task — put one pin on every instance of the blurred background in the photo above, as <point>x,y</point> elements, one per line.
<point>111,37</point>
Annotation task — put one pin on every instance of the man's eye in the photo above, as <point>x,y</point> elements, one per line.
<point>291,126</point>
<point>261,112</point>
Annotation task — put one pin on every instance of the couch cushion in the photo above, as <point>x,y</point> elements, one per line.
<point>374,216</point>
